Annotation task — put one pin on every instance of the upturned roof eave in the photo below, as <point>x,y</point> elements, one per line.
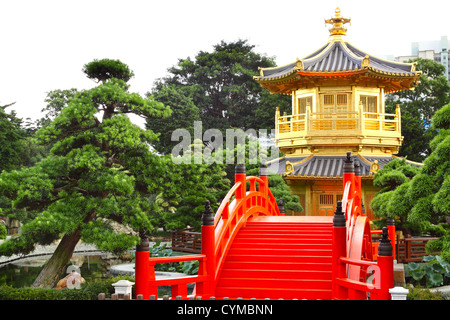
<point>333,73</point>
<point>298,67</point>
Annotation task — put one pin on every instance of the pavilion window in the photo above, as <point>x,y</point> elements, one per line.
<point>302,103</point>
<point>326,199</point>
<point>329,199</point>
<point>335,103</point>
<point>328,100</point>
<point>369,105</point>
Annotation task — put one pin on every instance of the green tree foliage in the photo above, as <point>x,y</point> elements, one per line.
<point>3,231</point>
<point>220,84</point>
<point>277,185</point>
<point>22,134</point>
<point>106,69</point>
<point>32,150</point>
<point>184,113</point>
<point>281,190</point>
<point>100,171</point>
<point>418,107</point>
<point>182,205</point>
<point>56,100</point>
<point>188,187</point>
<point>421,199</point>
<point>10,139</point>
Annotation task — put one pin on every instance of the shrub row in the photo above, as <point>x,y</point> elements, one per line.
<point>88,291</point>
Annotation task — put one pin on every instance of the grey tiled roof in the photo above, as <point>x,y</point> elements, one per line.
<point>334,58</point>
<point>279,71</point>
<point>321,167</point>
<point>278,166</point>
<point>383,65</point>
<point>337,56</point>
<point>328,166</point>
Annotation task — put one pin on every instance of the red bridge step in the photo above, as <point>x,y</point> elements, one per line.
<point>284,257</point>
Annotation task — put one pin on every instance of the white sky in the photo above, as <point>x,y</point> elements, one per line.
<point>45,43</point>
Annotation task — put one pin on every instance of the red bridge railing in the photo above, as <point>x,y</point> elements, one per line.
<point>354,254</point>
<point>249,197</point>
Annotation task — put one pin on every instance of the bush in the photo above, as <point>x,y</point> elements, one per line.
<point>419,293</point>
<point>88,291</point>
<point>433,273</point>
<point>3,231</point>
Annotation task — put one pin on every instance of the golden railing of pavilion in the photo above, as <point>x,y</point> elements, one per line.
<point>353,122</point>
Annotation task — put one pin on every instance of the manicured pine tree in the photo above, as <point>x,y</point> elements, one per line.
<point>421,198</point>
<point>100,171</point>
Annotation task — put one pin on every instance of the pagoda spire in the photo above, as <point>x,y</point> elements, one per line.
<point>337,23</point>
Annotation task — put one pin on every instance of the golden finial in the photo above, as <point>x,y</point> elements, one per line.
<point>374,167</point>
<point>338,23</point>
<point>366,61</point>
<point>299,64</point>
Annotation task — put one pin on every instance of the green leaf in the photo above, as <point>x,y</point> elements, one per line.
<point>429,258</point>
<point>436,267</point>
<point>418,274</point>
<point>444,264</point>
<point>436,279</point>
<point>413,266</point>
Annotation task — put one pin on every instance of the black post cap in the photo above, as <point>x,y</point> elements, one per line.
<point>144,245</point>
<point>281,206</point>
<point>390,221</point>
<point>357,169</point>
<point>348,164</point>
<point>339,217</point>
<point>207,217</point>
<point>263,171</point>
<point>385,246</point>
<point>240,169</point>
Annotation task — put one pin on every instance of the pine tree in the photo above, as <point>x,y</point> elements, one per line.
<point>100,171</point>
<point>421,199</point>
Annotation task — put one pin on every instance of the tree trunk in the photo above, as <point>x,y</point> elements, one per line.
<point>56,266</point>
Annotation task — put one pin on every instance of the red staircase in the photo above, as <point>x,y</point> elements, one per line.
<point>279,257</point>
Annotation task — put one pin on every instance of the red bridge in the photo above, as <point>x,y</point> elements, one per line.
<point>250,249</point>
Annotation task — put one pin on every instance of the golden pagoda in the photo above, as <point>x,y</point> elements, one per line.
<point>338,106</point>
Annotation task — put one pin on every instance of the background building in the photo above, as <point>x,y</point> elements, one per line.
<point>434,50</point>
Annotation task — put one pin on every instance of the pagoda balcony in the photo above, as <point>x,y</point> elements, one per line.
<point>353,128</point>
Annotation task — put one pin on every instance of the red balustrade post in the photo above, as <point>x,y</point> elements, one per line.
<point>391,232</point>
<point>264,175</point>
<point>349,175</point>
<point>142,268</point>
<point>207,267</point>
<point>338,250</point>
<point>385,264</point>
<point>357,190</point>
<point>240,176</point>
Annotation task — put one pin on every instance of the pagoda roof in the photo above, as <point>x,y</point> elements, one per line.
<point>337,56</point>
<point>339,59</point>
<point>330,167</point>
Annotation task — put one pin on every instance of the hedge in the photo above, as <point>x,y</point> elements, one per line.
<point>88,291</point>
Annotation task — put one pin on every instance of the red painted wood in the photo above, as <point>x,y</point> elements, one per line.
<point>253,251</point>
<point>278,260</point>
